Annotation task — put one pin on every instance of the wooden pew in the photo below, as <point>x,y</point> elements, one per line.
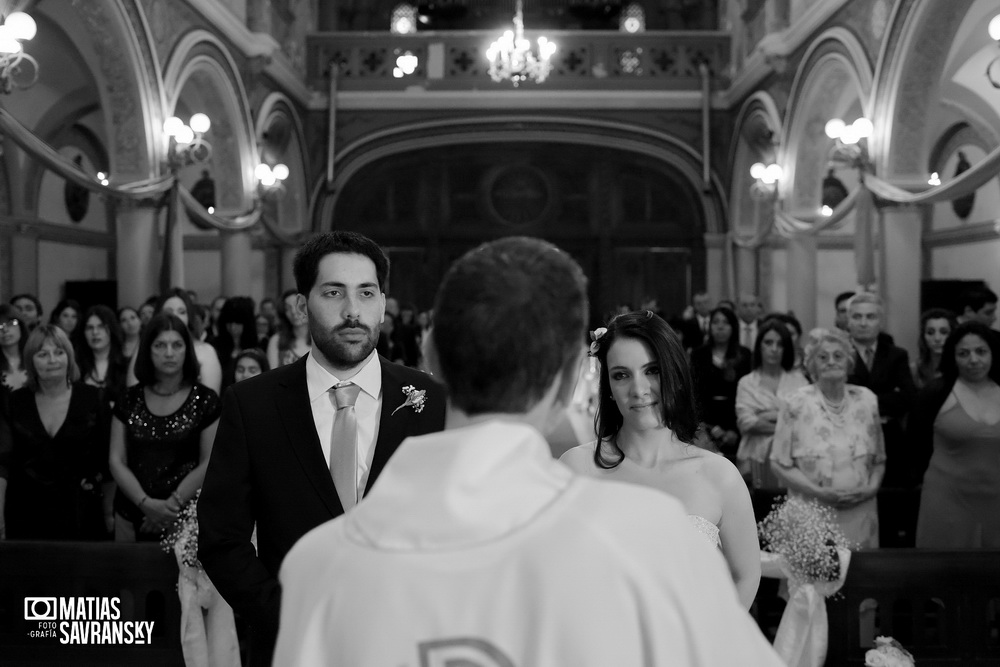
<point>141,575</point>
<point>943,606</point>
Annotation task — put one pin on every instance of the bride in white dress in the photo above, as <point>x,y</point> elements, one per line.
<point>647,422</point>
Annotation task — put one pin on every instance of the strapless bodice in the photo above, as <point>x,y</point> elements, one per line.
<point>706,528</point>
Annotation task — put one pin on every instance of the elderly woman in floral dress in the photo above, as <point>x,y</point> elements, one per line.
<point>828,440</point>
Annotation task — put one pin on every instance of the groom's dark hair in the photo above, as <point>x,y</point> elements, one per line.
<point>308,257</point>
<point>509,317</point>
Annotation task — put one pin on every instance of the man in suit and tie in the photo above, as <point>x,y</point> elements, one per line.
<point>885,369</point>
<point>748,309</point>
<point>301,444</point>
<point>694,329</point>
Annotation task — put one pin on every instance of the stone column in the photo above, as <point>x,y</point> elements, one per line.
<point>802,280</point>
<point>138,253</point>
<point>236,261</point>
<point>746,271</point>
<point>901,231</point>
<point>287,280</point>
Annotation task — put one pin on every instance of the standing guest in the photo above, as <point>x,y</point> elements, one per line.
<point>250,363</point>
<point>425,320</point>
<point>5,445</point>
<point>408,335</point>
<point>828,440</point>
<point>66,315</point>
<point>29,310</point>
<point>13,336</point>
<point>694,330</point>
<point>978,304</point>
<point>198,322</point>
<point>388,345</point>
<point>717,367</point>
<point>293,341</point>
<point>237,332</point>
<point>303,443</point>
<point>103,363</point>
<point>728,304</point>
<point>960,413</point>
<point>759,397</point>
<point>573,571</point>
<point>104,366</point>
<point>935,326</point>
<point>131,325</point>
<point>794,328</point>
<point>646,427</point>
<point>885,369</point>
<point>269,310</point>
<point>264,331</point>
<point>840,304</point>
<point>175,302</point>
<point>148,309</point>
<point>212,329</point>
<point>161,433</point>
<point>748,310</point>
<point>59,428</point>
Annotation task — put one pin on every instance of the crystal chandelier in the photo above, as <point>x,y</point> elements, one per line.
<point>512,56</point>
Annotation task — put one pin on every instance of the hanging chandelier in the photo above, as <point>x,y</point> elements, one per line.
<point>513,57</point>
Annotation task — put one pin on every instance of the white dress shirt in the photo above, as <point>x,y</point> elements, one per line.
<point>748,334</point>
<point>367,410</point>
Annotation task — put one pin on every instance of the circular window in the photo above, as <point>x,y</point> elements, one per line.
<point>517,195</point>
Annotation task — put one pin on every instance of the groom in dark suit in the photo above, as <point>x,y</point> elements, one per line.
<point>301,444</point>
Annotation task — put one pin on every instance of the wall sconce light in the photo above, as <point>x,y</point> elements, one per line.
<point>17,68</point>
<point>934,179</point>
<point>766,179</point>
<point>186,143</point>
<point>271,180</point>
<point>851,142</point>
<point>993,69</point>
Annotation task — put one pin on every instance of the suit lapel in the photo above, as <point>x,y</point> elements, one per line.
<point>292,401</point>
<point>391,428</point>
<point>860,370</point>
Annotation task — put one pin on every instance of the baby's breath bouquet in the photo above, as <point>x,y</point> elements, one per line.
<point>805,534</point>
<point>888,653</point>
<point>182,539</point>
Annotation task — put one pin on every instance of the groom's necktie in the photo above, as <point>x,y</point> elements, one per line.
<point>344,443</point>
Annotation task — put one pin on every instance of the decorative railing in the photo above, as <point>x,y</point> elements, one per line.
<point>589,60</point>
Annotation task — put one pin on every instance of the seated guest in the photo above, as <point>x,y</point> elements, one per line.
<point>935,325</point>
<point>960,414</point>
<point>29,310</point>
<point>13,336</point>
<point>759,396</point>
<point>131,326</point>
<point>716,368</point>
<point>161,433</point>
<point>66,315</point>
<point>647,425</point>
<point>828,440</point>
<point>572,571</point>
<point>59,428</point>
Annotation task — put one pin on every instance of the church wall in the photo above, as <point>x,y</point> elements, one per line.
<point>202,274</point>
<point>60,262</point>
<point>968,261</point>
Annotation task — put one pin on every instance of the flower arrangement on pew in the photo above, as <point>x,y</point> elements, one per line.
<point>801,542</point>
<point>888,653</point>
<point>805,535</point>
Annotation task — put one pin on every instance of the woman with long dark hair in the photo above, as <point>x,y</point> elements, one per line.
<point>237,332</point>
<point>935,326</point>
<point>131,326</point>
<point>646,424</point>
<point>957,421</point>
<point>717,367</point>
<point>292,340</point>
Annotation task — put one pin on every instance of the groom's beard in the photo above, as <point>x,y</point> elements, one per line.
<point>343,353</point>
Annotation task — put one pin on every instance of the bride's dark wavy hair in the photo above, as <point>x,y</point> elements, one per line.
<point>676,388</point>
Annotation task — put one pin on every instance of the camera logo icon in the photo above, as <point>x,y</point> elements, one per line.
<point>40,609</point>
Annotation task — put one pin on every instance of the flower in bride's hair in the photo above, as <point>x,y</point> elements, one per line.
<point>415,398</point>
<point>595,336</point>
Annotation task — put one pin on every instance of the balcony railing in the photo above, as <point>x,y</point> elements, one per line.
<point>584,60</point>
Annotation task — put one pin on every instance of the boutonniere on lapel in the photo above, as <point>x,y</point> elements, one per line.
<point>415,398</point>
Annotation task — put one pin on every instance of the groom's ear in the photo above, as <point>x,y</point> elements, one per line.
<point>301,304</point>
